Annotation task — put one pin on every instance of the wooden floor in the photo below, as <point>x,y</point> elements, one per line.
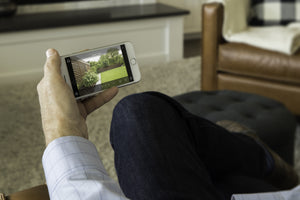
<point>192,48</point>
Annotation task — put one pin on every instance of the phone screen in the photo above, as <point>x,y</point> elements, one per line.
<point>97,70</point>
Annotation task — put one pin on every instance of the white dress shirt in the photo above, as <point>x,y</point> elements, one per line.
<point>74,171</point>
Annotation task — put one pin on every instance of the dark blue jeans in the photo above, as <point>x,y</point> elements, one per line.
<point>164,152</point>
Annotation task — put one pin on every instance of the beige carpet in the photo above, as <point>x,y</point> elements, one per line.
<point>21,138</point>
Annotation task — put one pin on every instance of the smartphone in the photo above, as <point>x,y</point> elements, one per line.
<point>93,71</point>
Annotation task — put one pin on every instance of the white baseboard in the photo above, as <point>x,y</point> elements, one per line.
<point>21,77</point>
<point>192,36</point>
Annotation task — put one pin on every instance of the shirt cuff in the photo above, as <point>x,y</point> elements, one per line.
<point>66,155</point>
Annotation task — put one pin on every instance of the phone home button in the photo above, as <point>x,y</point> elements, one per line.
<point>133,61</point>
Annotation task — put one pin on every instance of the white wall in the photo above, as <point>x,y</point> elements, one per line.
<point>192,22</point>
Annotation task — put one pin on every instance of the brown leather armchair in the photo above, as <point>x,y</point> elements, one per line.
<point>36,193</point>
<point>242,67</point>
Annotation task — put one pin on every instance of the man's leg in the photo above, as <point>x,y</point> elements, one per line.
<point>164,152</point>
<point>155,155</point>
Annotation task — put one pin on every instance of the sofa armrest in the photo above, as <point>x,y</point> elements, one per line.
<point>212,21</point>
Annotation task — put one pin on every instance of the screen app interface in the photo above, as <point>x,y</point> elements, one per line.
<point>98,70</point>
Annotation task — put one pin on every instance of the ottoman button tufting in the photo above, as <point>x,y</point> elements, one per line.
<point>271,121</point>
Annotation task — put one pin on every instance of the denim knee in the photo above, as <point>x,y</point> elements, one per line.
<point>126,116</point>
<point>130,104</point>
<point>145,112</point>
<point>134,105</point>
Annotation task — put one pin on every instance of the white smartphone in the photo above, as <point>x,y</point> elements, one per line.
<point>93,71</point>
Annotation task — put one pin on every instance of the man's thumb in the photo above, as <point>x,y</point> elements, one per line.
<point>52,64</point>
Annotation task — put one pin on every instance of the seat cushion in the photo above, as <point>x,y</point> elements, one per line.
<point>243,59</point>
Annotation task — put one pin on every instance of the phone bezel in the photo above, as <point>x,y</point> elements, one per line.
<point>136,75</point>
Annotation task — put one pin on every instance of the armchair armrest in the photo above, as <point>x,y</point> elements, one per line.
<point>212,21</point>
<point>36,193</point>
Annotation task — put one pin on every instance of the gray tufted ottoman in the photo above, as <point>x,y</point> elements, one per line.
<point>272,122</point>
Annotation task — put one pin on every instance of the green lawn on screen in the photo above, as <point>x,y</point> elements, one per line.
<point>113,74</point>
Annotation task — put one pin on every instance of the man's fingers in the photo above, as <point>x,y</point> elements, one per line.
<point>39,87</point>
<point>93,103</point>
<point>52,64</point>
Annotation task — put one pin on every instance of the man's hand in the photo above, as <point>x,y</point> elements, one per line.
<point>61,114</point>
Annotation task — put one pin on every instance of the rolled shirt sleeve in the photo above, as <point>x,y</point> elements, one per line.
<point>73,170</point>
